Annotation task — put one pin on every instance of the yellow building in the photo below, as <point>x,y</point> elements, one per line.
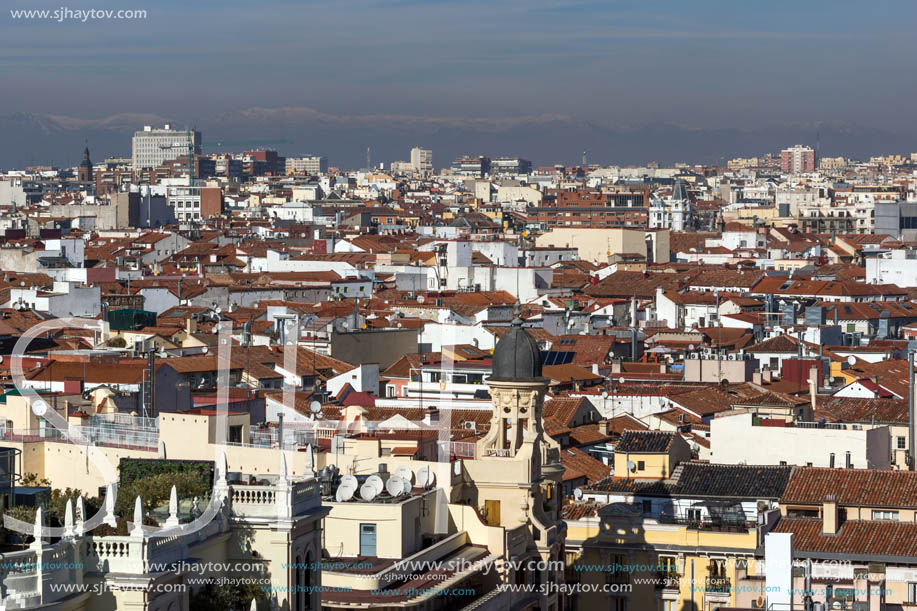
<point>680,541</point>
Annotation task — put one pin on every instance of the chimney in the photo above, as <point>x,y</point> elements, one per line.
<point>829,512</point>
<point>432,415</point>
<point>757,378</point>
<point>603,427</point>
<point>813,386</point>
<point>766,375</point>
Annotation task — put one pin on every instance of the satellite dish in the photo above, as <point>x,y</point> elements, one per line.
<point>376,482</point>
<point>631,465</point>
<point>205,350</point>
<point>604,394</point>
<point>405,474</point>
<point>578,494</point>
<point>691,347</point>
<point>851,360</point>
<point>425,477</point>
<point>1,359</point>
<point>315,406</point>
<point>395,486</point>
<point>344,493</point>
<point>39,408</point>
<point>421,299</point>
<point>368,492</point>
<point>350,480</point>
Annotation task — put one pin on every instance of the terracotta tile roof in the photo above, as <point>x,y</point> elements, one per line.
<point>861,538</point>
<point>782,344</point>
<point>123,372</point>
<point>863,487</point>
<point>579,464</point>
<point>849,409</point>
<point>580,510</point>
<point>565,373</point>
<point>562,409</point>
<point>589,434</point>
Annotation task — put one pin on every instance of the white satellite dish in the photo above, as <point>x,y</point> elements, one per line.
<point>349,480</point>
<point>395,486</point>
<point>344,493</point>
<point>851,360</point>
<point>376,482</point>
<point>425,477</point>
<point>205,350</point>
<point>631,466</point>
<point>578,494</point>
<point>368,492</point>
<point>315,406</point>
<point>405,473</point>
<point>39,408</point>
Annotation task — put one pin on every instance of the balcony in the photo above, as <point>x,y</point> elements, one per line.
<point>668,580</point>
<point>274,500</point>
<point>718,586</point>
<point>738,525</point>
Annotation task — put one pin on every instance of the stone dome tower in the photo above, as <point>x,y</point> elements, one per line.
<point>517,390</point>
<point>516,355</point>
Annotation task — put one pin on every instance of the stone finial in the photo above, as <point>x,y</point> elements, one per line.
<point>38,528</point>
<point>222,468</point>
<point>68,519</point>
<point>79,528</point>
<point>173,508</point>
<point>138,518</point>
<point>111,495</point>
<point>283,468</point>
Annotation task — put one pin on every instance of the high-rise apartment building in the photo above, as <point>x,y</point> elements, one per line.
<point>311,164</point>
<point>422,160</point>
<point>797,159</point>
<point>153,147</point>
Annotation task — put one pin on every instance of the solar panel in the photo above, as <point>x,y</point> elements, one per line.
<point>556,357</point>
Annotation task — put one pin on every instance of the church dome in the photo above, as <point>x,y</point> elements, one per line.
<point>516,356</point>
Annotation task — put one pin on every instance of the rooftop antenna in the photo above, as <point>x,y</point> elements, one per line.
<point>584,159</point>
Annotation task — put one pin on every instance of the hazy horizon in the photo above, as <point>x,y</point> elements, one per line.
<point>705,64</point>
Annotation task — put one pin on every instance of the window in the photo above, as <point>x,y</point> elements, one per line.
<point>647,506</point>
<point>912,593</point>
<point>902,443</point>
<point>884,515</point>
<point>641,465</point>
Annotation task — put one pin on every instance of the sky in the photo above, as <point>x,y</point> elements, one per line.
<point>707,63</point>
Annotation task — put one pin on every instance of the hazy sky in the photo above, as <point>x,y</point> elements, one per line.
<point>704,63</point>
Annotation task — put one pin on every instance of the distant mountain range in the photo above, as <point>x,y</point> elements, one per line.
<point>32,139</point>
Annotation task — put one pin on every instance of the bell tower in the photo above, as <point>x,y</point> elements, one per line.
<point>515,479</point>
<point>84,173</point>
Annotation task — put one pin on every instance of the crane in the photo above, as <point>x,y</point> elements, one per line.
<point>218,144</point>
